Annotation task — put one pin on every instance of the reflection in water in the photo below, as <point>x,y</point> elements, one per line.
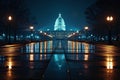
<point>109,67</point>
<point>40,47</point>
<point>109,59</point>
<point>37,57</point>
<point>15,67</point>
<point>80,47</point>
<point>77,47</point>
<point>31,57</point>
<point>31,47</point>
<point>78,57</point>
<point>45,46</point>
<point>109,49</point>
<point>86,47</point>
<point>9,64</point>
<point>50,45</point>
<point>9,73</point>
<point>86,57</point>
<point>45,55</point>
<point>73,47</point>
<point>109,62</point>
<point>59,60</point>
<point>40,56</point>
<point>9,49</point>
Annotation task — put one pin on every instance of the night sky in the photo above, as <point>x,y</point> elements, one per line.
<point>46,12</point>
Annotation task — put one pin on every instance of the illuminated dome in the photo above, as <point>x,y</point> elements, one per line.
<point>59,24</point>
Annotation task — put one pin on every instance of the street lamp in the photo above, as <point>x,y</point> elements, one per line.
<point>86,29</point>
<point>10,18</point>
<point>31,29</point>
<point>109,19</point>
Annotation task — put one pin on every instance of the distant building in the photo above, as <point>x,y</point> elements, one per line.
<point>59,24</point>
<point>60,31</point>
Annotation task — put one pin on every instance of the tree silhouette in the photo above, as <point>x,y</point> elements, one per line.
<point>20,13</point>
<point>96,16</point>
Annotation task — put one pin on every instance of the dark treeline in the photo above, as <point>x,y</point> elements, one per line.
<point>96,17</point>
<point>15,8</point>
<point>20,16</point>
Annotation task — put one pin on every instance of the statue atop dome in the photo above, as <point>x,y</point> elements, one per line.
<point>59,24</point>
<point>59,15</point>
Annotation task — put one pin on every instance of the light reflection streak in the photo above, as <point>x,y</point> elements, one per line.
<point>86,57</point>
<point>69,45</point>
<point>9,73</point>
<point>10,49</point>
<point>73,47</point>
<point>40,56</point>
<point>109,67</point>
<point>41,47</point>
<point>109,49</point>
<point>31,47</point>
<point>31,57</point>
<point>45,56</point>
<point>51,44</point>
<point>45,46</point>
<point>86,47</point>
<point>10,63</point>
<point>77,47</point>
<point>10,67</point>
<point>109,63</point>
<point>109,59</point>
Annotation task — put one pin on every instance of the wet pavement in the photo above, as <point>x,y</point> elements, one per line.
<point>43,61</point>
<point>57,68</point>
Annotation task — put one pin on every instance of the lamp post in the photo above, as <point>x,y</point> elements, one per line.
<point>31,30</point>
<point>10,18</point>
<point>109,19</point>
<point>86,29</point>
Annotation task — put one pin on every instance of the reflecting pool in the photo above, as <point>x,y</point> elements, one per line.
<point>59,60</point>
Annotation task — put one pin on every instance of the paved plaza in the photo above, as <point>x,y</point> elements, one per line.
<point>81,61</point>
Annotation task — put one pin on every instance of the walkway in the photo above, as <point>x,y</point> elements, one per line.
<point>57,68</point>
<point>82,62</point>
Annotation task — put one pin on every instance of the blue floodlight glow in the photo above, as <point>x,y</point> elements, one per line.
<point>59,24</point>
<point>59,60</point>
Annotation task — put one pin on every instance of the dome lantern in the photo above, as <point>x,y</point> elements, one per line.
<point>59,24</point>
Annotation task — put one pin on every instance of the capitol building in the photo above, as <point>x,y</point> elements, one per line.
<point>59,24</point>
<point>59,29</point>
